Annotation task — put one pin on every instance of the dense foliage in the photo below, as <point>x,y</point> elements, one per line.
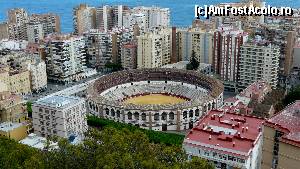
<point>154,136</point>
<point>108,149</point>
<point>193,64</point>
<point>113,66</point>
<point>29,108</point>
<point>292,96</point>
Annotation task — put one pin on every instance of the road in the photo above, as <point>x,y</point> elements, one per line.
<point>59,89</point>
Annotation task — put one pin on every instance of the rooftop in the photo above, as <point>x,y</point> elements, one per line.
<point>288,121</point>
<point>9,126</point>
<point>227,132</point>
<point>255,88</point>
<point>37,142</point>
<point>58,101</point>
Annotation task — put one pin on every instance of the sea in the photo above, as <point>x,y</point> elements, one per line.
<point>182,11</point>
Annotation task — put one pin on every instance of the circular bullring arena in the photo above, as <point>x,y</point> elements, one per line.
<point>156,99</point>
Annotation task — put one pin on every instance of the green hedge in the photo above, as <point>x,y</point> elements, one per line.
<point>154,136</point>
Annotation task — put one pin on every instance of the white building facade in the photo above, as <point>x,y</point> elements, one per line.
<point>62,116</point>
<point>258,62</point>
<point>154,48</point>
<point>38,75</point>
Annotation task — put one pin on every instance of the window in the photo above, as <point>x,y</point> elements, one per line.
<point>184,114</point>
<point>171,116</point>
<point>164,116</point>
<point>129,114</point>
<point>143,116</point>
<point>156,116</point>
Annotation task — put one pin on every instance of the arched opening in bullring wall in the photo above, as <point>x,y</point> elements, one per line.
<point>107,111</point>
<point>164,127</point>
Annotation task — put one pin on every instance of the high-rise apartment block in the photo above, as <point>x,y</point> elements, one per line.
<point>38,75</point>
<point>99,48</point>
<point>4,31</point>
<point>119,36</point>
<point>226,53</point>
<point>21,26</point>
<point>17,19</point>
<point>259,60</point>
<point>35,32</point>
<point>63,116</point>
<point>148,17</point>
<point>195,40</point>
<point>84,18</point>
<point>108,17</point>
<point>50,22</point>
<point>66,58</point>
<point>129,56</point>
<point>154,48</point>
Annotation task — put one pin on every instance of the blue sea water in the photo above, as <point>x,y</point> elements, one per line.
<point>182,11</point>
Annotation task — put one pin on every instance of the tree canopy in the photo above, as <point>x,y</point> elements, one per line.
<point>292,96</point>
<point>108,149</point>
<point>29,108</point>
<point>153,136</point>
<point>113,66</point>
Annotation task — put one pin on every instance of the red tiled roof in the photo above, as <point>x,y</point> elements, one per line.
<point>288,121</point>
<point>255,88</point>
<point>231,99</point>
<point>233,132</point>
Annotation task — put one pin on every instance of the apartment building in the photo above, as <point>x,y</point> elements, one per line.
<point>229,140</point>
<point>16,79</point>
<point>285,40</point>
<point>119,36</point>
<point>108,17</point>
<point>154,48</point>
<point>259,60</point>
<point>65,58</point>
<point>84,18</point>
<point>129,56</point>
<point>99,48</point>
<point>226,53</point>
<point>3,31</point>
<point>63,116</point>
<point>195,39</point>
<point>38,75</point>
<point>12,108</point>
<point>50,22</point>
<point>281,148</point>
<point>35,32</point>
<point>17,19</point>
<point>41,25</point>
<point>155,16</point>
<point>131,18</point>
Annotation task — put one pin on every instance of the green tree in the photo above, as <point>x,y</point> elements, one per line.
<point>292,96</point>
<point>108,148</point>
<point>193,64</point>
<point>113,66</point>
<point>29,109</point>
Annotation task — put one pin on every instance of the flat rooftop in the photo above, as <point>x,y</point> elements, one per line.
<point>288,121</point>
<point>38,142</point>
<point>229,133</point>
<point>58,101</point>
<point>9,126</point>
